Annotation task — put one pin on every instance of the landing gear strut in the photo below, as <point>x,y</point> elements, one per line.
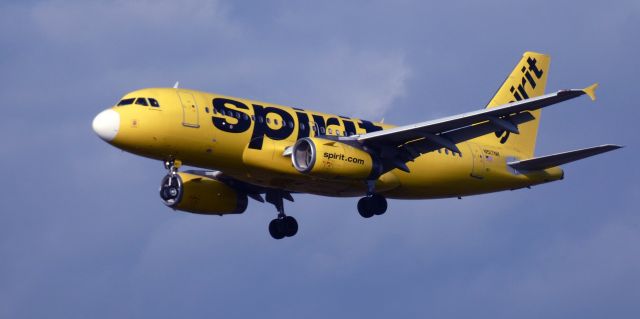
<point>283,225</point>
<point>172,166</point>
<point>372,204</point>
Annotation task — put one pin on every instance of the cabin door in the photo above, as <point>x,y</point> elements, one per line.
<point>189,109</point>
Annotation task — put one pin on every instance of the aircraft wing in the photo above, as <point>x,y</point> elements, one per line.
<point>544,162</point>
<point>398,145</point>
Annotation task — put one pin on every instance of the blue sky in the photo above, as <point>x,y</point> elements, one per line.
<point>83,232</point>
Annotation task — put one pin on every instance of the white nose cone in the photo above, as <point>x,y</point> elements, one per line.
<point>106,124</point>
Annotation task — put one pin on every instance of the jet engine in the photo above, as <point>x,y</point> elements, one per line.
<point>332,159</point>
<point>201,195</point>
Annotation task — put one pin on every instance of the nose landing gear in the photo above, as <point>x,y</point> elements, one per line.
<point>171,185</point>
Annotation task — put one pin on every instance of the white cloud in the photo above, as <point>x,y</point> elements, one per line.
<point>357,82</point>
<point>336,78</point>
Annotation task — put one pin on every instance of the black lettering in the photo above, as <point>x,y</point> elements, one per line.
<point>515,94</point>
<point>260,130</point>
<point>319,126</point>
<point>242,122</point>
<point>349,127</point>
<point>333,121</point>
<point>303,124</point>
<point>534,68</point>
<point>522,90</point>
<point>529,78</point>
<point>369,127</point>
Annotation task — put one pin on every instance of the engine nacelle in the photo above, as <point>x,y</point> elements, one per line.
<point>332,159</point>
<point>201,195</point>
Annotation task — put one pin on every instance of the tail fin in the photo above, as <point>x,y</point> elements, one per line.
<point>527,80</point>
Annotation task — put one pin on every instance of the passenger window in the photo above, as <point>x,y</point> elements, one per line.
<point>142,101</point>
<point>154,102</point>
<point>126,102</point>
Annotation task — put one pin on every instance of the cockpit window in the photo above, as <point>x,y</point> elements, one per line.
<point>125,102</point>
<point>154,102</point>
<point>142,101</point>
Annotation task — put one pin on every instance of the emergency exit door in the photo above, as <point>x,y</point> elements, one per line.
<point>189,109</point>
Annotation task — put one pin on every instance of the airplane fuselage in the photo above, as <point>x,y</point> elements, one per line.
<point>247,140</point>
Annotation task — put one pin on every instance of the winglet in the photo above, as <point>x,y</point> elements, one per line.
<point>591,91</point>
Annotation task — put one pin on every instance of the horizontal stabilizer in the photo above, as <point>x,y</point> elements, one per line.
<point>591,91</point>
<point>544,162</point>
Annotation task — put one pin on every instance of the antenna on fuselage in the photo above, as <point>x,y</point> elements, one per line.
<point>175,86</point>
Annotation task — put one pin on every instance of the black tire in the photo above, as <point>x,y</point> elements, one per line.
<point>290,226</point>
<point>364,207</point>
<point>378,204</point>
<point>275,229</point>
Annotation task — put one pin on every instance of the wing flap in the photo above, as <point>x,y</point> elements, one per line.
<point>460,135</point>
<point>544,162</point>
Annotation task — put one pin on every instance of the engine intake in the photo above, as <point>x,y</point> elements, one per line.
<point>201,195</point>
<point>332,159</point>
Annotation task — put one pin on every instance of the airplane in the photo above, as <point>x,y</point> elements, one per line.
<point>267,152</point>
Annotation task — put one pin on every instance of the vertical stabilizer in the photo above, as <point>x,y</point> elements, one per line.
<point>528,79</point>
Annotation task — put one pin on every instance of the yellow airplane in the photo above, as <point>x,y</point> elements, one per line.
<point>250,149</point>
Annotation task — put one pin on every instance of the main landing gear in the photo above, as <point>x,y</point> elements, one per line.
<point>283,226</point>
<point>372,204</point>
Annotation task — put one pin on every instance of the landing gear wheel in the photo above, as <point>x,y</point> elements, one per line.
<point>379,204</point>
<point>364,207</point>
<point>281,227</point>
<point>290,226</point>
<point>372,205</point>
<point>275,229</point>
<point>171,189</point>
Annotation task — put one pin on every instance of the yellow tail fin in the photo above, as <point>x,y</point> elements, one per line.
<point>528,79</point>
